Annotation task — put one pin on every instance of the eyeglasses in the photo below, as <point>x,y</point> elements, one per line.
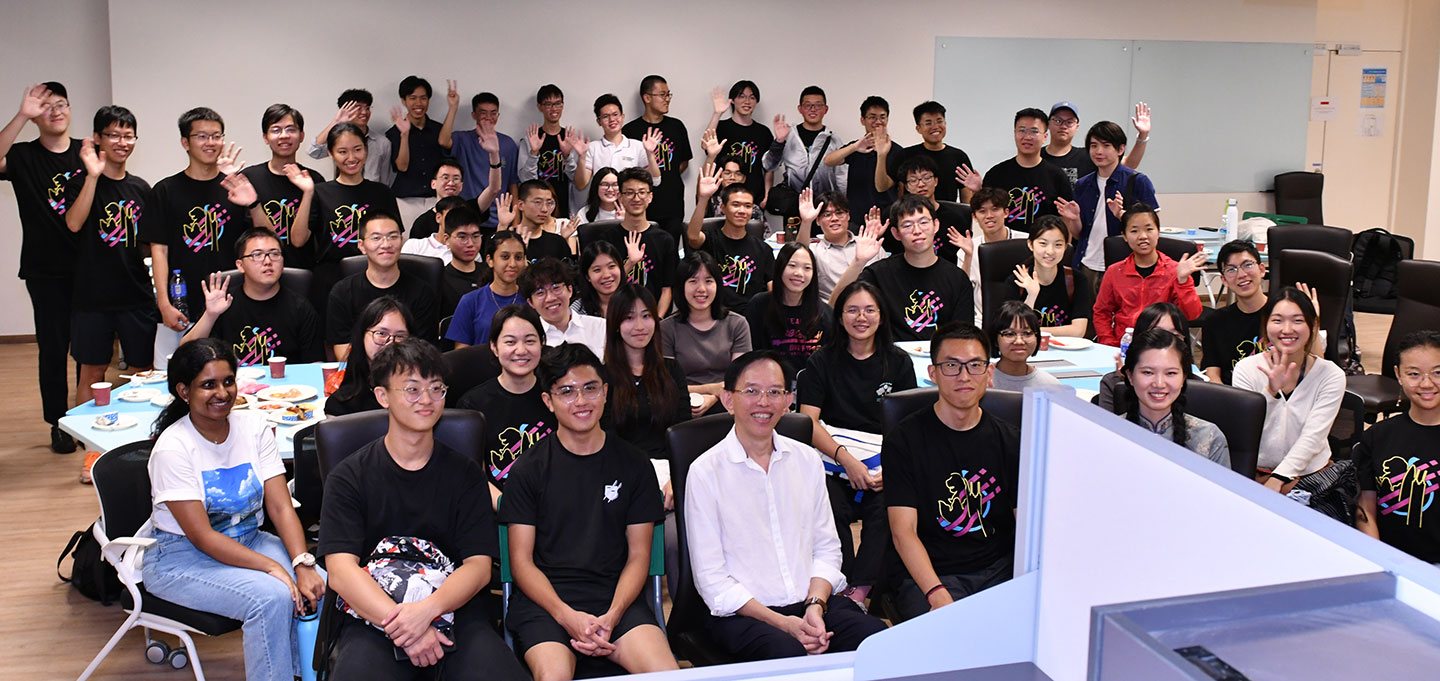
<point>541,202</point>
<point>1028,132</point>
<point>377,239</point>
<point>207,137</point>
<point>126,137</point>
<point>287,130</point>
<point>875,118</point>
<point>974,367</point>
<point>569,393</point>
<point>413,392</point>
<point>1248,266</point>
<point>551,290</point>
<point>813,106</point>
<point>466,237</point>
<point>834,213</point>
<point>610,116</point>
<point>856,311</point>
<point>609,185</point>
<point>1012,334</point>
<point>635,193</point>
<point>756,393</point>
<point>663,95</point>
<point>1416,377</point>
<point>551,104</point>
<point>262,256</point>
<point>57,107</point>
<point>922,223</point>
<point>747,97</point>
<point>920,179</point>
<point>383,337</point>
<point>931,125</point>
<point>1064,122</point>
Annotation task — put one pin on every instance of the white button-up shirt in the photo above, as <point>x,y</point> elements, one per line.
<point>584,329</point>
<point>831,261</point>
<point>757,534</point>
<point>629,153</point>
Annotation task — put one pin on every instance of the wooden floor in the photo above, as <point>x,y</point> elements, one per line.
<point>49,630</point>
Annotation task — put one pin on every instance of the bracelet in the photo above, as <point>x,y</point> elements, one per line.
<point>1140,141</point>
<point>496,165</point>
<point>253,206</point>
<point>836,455</point>
<point>933,589</point>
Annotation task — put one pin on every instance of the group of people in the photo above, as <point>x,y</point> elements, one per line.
<point>613,324</point>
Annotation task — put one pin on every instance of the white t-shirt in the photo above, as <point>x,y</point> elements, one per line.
<point>977,234</point>
<point>428,246</point>
<point>1095,248</point>
<point>228,478</point>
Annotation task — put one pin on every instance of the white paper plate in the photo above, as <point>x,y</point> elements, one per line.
<point>152,376</point>
<point>138,395</point>
<point>278,417</point>
<point>1070,343</point>
<point>294,394</point>
<point>249,374</point>
<point>123,422</point>
<point>162,400</point>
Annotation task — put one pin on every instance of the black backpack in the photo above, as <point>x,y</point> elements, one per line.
<point>1377,263</point>
<point>90,574</point>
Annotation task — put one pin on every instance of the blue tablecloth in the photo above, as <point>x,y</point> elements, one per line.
<point>79,421</point>
<point>1096,359</point>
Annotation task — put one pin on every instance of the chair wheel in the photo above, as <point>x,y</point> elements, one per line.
<point>156,652</point>
<point>179,658</point>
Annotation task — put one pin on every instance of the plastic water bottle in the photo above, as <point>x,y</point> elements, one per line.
<point>178,293</point>
<point>307,629</point>
<point>1230,223</point>
<point>1125,341</point>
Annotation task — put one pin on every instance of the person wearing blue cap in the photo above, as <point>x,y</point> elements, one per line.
<point>1075,161</point>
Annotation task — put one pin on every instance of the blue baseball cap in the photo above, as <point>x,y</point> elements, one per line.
<point>1064,105</point>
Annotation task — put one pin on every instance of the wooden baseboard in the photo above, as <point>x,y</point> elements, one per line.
<point>17,340</point>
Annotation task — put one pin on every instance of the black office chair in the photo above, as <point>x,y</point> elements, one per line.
<point>1116,250</point>
<point>1417,308</point>
<point>292,279</point>
<point>1280,238</point>
<point>1240,415</point>
<point>1373,293</point>
<point>997,273</point>
<point>467,368</point>
<point>1329,276</point>
<point>599,230</point>
<point>122,481</point>
<point>960,212</point>
<point>686,630</point>
<point>427,269</point>
<point>337,437</point>
<point>755,228</point>
<point>1005,405</point>
<point>1348,426</point>
<point>1299,193</point>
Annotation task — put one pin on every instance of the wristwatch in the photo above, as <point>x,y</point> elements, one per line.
<point>307,559</point>
<point>496,165</point>
<point>817,601</point>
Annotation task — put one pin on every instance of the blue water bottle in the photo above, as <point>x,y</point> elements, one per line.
<point>307,629</point>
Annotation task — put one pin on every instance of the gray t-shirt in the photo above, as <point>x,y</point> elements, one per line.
<point>1036,378</point>
<point>704,354</point>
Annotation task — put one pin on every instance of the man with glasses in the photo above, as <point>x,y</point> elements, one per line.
<point>614,149</point>
<point>581,508</point>
<point>672,153</point>
<point>1035,185</point>
<point>286,192</point>
<point>650,255</point>
<point>1075,161</point>
<point>836,248</point>
<point>417,143</point>
<point>410,485</point>
<point>549,286</point>
<point>950,478</point>
<point>39,170</point>
<point>930,123</point>
<point>261,318</point>
<point>763,545</point>
<point>866,158</point>
<point>473,150</point>
<point>920,176</point>
<point>746,261</point>
<point>354,107</point>
<point>193,217</point>
<point>740,136</point>
<point>1233,332</point>
<point>921,290</point>
<point>795,156</point>
<point>549,153</point>
<point>450,182</point>
<point>533,218</point>
<point>380,238</point>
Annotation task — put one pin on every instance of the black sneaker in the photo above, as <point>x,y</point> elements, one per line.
<point>60,441</point>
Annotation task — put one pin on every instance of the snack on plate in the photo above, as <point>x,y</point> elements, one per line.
<point>299,412</point>
<point>109,418</point>
<point>271,407</point>
<point>242,401</point>
<point>290,394</point>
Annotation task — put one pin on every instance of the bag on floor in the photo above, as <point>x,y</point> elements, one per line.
<point>89,573</point>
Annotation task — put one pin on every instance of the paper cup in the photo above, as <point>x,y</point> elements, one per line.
<point>102,393</point>
<point>1044,340</point>
<point>277,367</point>
<point>328,369</point>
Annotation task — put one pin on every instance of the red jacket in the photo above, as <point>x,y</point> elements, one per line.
<point>1124,294</point>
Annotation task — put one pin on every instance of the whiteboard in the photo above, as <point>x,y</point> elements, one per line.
<point>1228,117</point>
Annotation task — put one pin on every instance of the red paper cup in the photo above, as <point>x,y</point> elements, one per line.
<point>1044,341</point>
<point>102,393</point>
<point>277,367</point>
<point>327,370</point>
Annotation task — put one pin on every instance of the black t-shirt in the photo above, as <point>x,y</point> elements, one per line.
<point>674,150</point>
<point>280,199</point>
<point>807,135</point>
<point>1230,335</point>
<point>198,225</point>
<point>284,325</point>
<point>1032,190</point>
<point>635,426</point>
<point>749,144</point>
<point>427,224</point>
<point>745,265</point>
<point>860,190</point>
<point>550,167</point>
<point>1146,271</point>
<point>369,497</point>
<point>1055,304</point>
<point>790,339</point>
<point>454,284</point>
<point>1397,460</point>
<point>47,248</point>
<point>548,245</point>
<point>919,300</point>
<point>580,507</point>
<point>353,293</point>
<point>513,425</point>
<point>948,216</point>
<point>849,391</point>
<point>335,213</point>
<point>110,272</point>
<point>425,156</point>
<point>657,270</point>
<point>961,484</point>
<point>947,160</point>
<point>1076,163</point>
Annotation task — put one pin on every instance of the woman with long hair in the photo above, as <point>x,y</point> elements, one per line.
<point>603,203</point>
<point>600,266</point>
<point>1164,316</point>
<point>1060,294</point>
<point>1156,370</point>
<point>790,319</point>
<point>383,321</point>
<point>702,334</point>
<point>213,477</point>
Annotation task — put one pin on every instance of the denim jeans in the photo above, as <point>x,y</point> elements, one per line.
<point>184,575</point>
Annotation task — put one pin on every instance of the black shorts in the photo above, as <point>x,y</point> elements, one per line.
<point>531,625</point>
<point>93,334</point>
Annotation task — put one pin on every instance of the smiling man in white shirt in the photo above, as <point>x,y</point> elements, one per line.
<point>549,288</point>
<point>765,554</point>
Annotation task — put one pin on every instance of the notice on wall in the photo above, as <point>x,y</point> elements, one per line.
<point>1372,87</point>
<point>1371,125</point>
<point>1322,109</point>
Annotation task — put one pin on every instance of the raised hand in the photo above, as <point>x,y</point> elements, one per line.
<point>452,93</point>
<point>239,190</point>
<point>1116,204</point>
<point>300,178</point>
<point>505,209</point>
<point>961,241</point>
<point>571,226</point>
<point>229,161</point>
<point>348,113</point>
<point>91,157</point>
<point>1278,374</point>
<point>398,117</point>
<point>1190,264</point>
<point>1068,210</point>
<point>782,129</point>
<point>710,144</point>
<point>867,242</point>
<point>709,181</point>
<point>808,210</point>
<point>532,135</point>
<point>217,293</point>
<point>32,103</point>
<point>880,141</point>
<point>1026,282</point>
<point>634,248</point>
<point>489,141</point>
<point>651,140</point>
<point>722,103</point>
<point>970,179</point>
<point>1141,121</point>
<point>576,141</point>
<point>866,143</point>
<point>1312,294</point>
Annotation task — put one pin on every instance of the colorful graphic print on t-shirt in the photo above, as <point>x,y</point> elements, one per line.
<point>256,345</point>
<point>736,271</point>
<point>968,506</point>
<point>1053,315</point>
<point>120,223</point>
<point>55,193</point>
<point>1405,487</point>
<point>233,499</point>
<point>514,440</point>
<point>550,164</point>
<point>923,311</point>
<point>1025,204</point>
<point>745,151</point>
<point>640,273</point>
<point>205,227</point>
<point>345,228</point>
<point>282,215</point>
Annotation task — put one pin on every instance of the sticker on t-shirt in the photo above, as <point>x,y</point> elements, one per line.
<point>55,193</point>
<point>923,312</point>
<point>736,271</point>
<point>282,215</point>
<point>345,228</point>
<point>612,491</point>
<point>1025,204</point>
<point>256,345</point>
<point>233,499</point>
<point>121,221</point>
<point>513,442</point>
<point>969,504</point>
<point>206,226</point>
<point>1406,488</point>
